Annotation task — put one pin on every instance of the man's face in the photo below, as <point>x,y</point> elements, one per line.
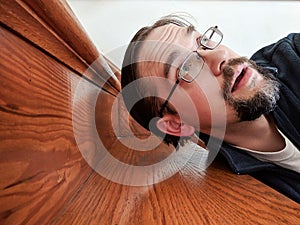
<point>225,85</point>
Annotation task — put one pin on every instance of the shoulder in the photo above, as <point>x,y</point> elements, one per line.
<point>284,55</point>
<point>287,46</point>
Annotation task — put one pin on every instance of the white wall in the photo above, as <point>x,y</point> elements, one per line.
<point>247,25</point>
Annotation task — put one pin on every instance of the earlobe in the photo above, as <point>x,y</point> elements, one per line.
<point>173,126</point>
<point>187,130</point>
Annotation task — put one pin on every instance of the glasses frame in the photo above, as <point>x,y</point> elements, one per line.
<point>202,45</point>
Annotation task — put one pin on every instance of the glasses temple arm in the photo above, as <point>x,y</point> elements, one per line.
<point>168,98</point>
<point>216,27</point>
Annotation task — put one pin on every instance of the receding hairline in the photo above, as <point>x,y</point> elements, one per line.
<point>172,56</point>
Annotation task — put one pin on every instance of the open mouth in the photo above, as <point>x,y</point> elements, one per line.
<point>238,79</point>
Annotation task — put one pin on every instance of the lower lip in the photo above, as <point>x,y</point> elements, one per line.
<point>245,79</point>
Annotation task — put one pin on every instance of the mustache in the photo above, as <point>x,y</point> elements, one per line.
<point>228,69</point>
<point>262,102</point>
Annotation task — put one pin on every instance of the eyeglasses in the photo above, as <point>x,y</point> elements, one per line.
<point>193,63</point>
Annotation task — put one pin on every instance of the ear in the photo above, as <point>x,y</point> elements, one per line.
<point>171,124</point>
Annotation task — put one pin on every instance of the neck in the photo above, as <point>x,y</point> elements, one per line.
<point>260,135</point>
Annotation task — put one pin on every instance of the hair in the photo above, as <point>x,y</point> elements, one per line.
<point>147,108</point>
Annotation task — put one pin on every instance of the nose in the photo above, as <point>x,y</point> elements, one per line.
<point>215,59</point>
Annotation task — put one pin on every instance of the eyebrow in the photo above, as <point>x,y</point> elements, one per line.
<point>171,58</point>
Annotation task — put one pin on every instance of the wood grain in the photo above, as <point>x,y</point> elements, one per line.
<point>215,196</point>
<point>52,26</point>
<point>40,165</point>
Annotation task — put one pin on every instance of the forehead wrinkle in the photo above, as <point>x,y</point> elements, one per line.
<point>165,40</point>
<point>175,54</point>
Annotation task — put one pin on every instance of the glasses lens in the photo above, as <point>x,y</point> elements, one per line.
<point>191,67</point>
<point>211,38</point>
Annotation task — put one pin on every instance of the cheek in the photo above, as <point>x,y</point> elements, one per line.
<point>211,107</point>
<point>196,110</point>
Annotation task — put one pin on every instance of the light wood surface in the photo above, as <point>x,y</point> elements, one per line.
<point>44,179</point>
<point>215,196</point>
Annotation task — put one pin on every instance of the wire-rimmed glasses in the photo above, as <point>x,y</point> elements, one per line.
<point>193,63</point>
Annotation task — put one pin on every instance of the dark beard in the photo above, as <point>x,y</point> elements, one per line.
<point>263,102</point>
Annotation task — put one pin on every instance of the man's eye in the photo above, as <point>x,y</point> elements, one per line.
<point>185,69</point>
<point>205,40</point>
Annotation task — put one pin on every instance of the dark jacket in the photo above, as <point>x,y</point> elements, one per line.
<point>283,58</point>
